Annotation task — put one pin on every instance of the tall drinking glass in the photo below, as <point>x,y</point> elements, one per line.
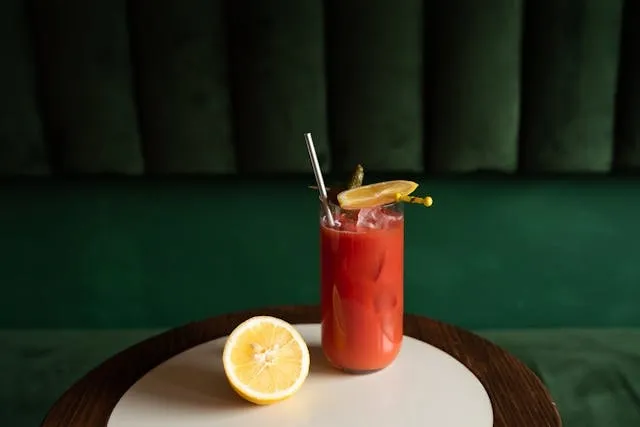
<point>362,274</point>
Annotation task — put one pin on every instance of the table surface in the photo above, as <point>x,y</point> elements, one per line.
<point>517,395</point>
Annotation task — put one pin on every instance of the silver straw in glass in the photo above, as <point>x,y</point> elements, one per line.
<point>315,165</point>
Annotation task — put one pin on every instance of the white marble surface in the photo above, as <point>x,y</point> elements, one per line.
<point>424,386</point>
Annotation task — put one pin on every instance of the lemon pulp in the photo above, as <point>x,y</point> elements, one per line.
<point>265,360</point>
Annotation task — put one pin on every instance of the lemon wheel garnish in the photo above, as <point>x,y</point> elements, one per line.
<point>381,193</point>
<point>266,360</point>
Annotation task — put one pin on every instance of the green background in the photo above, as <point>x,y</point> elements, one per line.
<point>153,172</point>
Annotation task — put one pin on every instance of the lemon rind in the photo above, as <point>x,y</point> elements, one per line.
<point>377,195</point>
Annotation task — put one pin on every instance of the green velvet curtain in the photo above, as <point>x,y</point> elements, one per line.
<point>218,87</point>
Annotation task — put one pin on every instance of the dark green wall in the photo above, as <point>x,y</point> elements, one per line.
<point>489,254</point>
<point>213,86</point>
<point>140,87</point>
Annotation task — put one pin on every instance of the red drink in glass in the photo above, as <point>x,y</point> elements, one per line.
<point>362,269</point>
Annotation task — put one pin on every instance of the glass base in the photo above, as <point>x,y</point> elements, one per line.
<point>359,372</point>
<point>352,371</point>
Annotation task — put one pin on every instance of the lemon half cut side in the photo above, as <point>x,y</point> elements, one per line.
<point>266,360</point>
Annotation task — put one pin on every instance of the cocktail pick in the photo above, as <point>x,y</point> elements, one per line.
<point>425,201</point>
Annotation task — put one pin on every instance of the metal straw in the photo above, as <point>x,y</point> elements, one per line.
<point>318,173</point>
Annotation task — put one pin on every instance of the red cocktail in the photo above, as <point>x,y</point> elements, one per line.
<point>362,269</point>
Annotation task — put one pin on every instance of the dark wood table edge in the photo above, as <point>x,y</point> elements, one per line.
<point>90,401</point>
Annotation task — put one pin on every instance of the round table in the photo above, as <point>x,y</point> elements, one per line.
<point>518,397</point>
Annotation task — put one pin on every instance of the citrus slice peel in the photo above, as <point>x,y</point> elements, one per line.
<point>378,194</point>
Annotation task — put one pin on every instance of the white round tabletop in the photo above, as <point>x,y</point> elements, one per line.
<point>424,386</point>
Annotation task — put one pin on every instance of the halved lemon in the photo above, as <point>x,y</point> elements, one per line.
<point>381,193</point>
<point>265,360</point>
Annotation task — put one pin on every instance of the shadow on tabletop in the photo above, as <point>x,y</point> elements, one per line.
<point>187,384</point>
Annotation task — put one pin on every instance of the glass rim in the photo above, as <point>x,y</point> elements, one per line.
<point>333,205</point>
<point>337,210</point>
